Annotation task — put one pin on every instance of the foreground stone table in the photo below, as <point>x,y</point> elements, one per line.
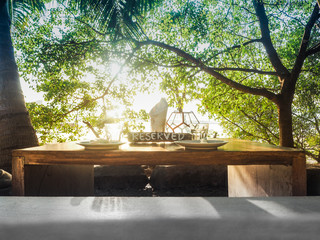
<point>38,218</point>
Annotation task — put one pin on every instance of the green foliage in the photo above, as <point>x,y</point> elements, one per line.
<point>222,35</point>
<point>70,64</point>
<point>135,121</point>
<point>241,115</point>
<point>20,10</point>
<point>179,86</point>
<point>45,120</point>
<point>225,35</point>
<point>117,18</point>
<point>307,115</point>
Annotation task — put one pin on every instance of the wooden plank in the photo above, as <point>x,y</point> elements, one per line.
<point>280,180</point>
<point>242,181</point>
<point>232,145</point>
<point>117,157</point>
<point>259,181</point>
<point>18,176</point>
<point>299,180</point>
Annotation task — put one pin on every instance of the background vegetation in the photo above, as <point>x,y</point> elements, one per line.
<point>69,56</point>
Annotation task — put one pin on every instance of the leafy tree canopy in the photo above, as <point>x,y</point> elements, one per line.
<point>71,64</point>
<point>192,45</point>
<point>225,37</point>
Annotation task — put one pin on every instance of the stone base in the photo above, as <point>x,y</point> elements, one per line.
<point>5,183</point>
<point>171,177</point>
<point>119,177</point>
<point>313,181</point>
<point>6,191</point>
<point>59,180</point>
<point>5,179</point>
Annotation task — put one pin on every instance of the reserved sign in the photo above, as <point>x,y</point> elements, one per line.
<point>157,136</point>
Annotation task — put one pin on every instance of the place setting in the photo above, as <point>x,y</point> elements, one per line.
<point>182,129</point>
<point>202,144</point>
<point>200,139</point>
<point>111,140</point>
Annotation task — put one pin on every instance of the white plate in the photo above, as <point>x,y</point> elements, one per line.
<point>100,146</point>
<point>197,145</point>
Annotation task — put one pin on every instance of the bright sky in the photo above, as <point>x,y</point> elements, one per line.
<point>141,101</point>
<point>29,94</point>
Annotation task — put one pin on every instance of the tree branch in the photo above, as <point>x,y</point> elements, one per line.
<point>246,43</point>
<point>259,123</point>
<point>304,43</point>
<point>283,11</point>
<point>234,47</point>
<point>92,129</point>
<point>120,70</point>
<point>255,91</point>
<point>246,70</point>
<point>317,124</point>
<point>87,101</point>
<point>266,39</point>
<point>245,131</point>
<point>313,50</point>
<point>164,65</point>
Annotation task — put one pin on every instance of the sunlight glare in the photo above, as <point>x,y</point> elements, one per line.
<point>147,101</point>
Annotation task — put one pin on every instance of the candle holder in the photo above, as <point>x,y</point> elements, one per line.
<point>183,122</point>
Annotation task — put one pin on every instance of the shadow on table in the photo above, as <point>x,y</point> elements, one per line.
<point>278,207</point>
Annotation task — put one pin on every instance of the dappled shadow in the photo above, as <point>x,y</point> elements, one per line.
<point>278,207</point>
<point>236,208</point>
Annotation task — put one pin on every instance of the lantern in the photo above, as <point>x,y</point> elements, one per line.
<point>182,122</point>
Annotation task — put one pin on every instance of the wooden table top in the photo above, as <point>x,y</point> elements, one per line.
<point>233,145</point>
<point>235,152</point>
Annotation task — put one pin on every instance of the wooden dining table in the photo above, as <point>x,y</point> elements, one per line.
<point>254,169</point>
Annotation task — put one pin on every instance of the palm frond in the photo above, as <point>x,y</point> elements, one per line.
<point>116,15</point>
<point>21,10</point>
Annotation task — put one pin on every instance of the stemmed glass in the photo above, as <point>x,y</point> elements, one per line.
<point>200,132</point>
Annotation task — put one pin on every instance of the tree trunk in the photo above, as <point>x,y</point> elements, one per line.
<point>16,130</point>
<point>285,123</point>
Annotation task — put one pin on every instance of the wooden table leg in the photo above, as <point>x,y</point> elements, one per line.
<point>259,180</point>
<point>299,175</point>
<point>18,176</point>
